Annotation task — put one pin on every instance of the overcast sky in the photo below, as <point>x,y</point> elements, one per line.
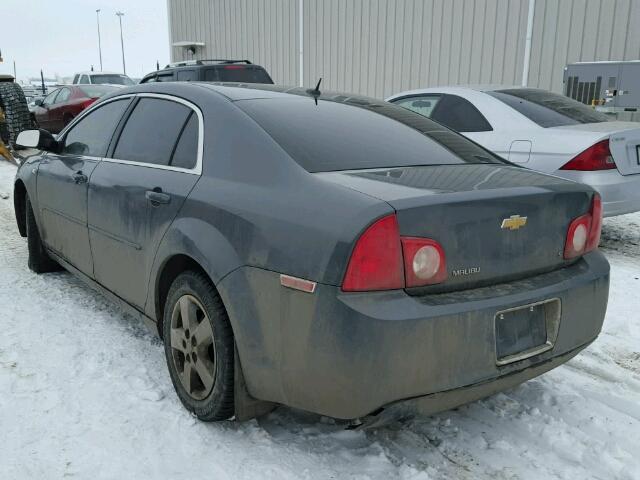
<point>61,36</point>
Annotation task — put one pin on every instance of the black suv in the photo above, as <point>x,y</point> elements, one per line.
<point>217,70</point>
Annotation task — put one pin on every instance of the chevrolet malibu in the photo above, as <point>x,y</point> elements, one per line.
<point>328,252</point>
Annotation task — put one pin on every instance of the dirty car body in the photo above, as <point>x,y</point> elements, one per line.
<point>365,255</point>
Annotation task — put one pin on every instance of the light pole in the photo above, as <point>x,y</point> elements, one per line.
<point>120,15</point>
<point>99,43</point>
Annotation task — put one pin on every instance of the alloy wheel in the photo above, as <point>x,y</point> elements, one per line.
<point>192,347</point>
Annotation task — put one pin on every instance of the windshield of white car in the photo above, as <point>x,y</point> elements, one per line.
<point>548,109</point>
<point>111,79</point>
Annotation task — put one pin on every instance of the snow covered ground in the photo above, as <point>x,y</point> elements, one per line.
<point>84,393</point>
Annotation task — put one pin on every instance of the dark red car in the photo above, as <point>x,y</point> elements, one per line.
<point>57,109</point>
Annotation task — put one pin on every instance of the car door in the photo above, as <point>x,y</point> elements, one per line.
<point>57,109</point>
<point>41,111</point>
<point>135,194</point>
<point>63,181</point>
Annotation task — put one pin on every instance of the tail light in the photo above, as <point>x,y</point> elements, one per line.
<point>596,157</point>
<point>424,261</point>
<point>383,260</point>
<point>376,261</point>
<point>583,235</point>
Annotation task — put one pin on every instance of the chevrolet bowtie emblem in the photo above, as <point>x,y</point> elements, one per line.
<point>514,222</point>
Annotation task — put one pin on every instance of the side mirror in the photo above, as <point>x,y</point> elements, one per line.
<point>41,139</point>
<point>39,101</point>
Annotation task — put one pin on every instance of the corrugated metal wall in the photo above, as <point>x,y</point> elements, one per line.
<point>379,47</point>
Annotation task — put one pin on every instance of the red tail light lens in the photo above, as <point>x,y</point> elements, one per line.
<point>584,232</point>
<point>376,261</point>
<point>596,157</point>
<point>382,260</point>
<point>424,261</point>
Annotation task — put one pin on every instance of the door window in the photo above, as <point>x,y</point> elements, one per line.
<point>186,151</point>
<point>84,79</point>
<point>151,132</point>
<point>63,96</point>
<point>422,104</point>
<point>460,115</point>
<point>92,134</point>
<point>49,99</point>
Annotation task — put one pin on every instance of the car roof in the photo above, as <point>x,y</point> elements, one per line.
<point>100,73</point>
<point>201,66</point>
<point>246,91</point>
<point>459,89</point>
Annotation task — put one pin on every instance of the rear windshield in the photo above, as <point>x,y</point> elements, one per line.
<point>548,109</point>
<point>333,135</point>
<point>112,79</point>
<point>237,73</point>
<point>96,91</point>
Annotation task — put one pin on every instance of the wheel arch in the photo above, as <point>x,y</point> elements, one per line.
<point>189,244</point>
<point>173,267</point>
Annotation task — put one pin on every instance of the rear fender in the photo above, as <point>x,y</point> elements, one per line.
<point>199,241</point>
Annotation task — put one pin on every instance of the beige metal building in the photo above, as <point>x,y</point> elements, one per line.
<point>379,47</point>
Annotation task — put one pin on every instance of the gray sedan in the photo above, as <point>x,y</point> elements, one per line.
<point>329,252</point>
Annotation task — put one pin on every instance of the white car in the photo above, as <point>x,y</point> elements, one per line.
<point>101,78</point>
<point>542,131</point>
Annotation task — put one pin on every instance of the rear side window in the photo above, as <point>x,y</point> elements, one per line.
<point>151,131</point>
<point>186,75</point>
<point>92,134</point>
<point>421,104</point>
<point>548,109</point>
<point>333,135</point>
<point>185,154</point>
<point>460,115</point>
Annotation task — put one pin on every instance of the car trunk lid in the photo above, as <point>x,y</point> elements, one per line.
<point>624,142</point>
<point>495,223</point>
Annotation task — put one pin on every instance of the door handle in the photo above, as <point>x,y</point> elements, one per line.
<point>156,197</point>
<point>79,177</point>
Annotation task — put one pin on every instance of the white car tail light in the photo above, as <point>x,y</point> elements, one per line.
<point>596,157</point>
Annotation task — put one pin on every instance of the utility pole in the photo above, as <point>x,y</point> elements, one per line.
<point>99,43</point>
<point>120,15</point>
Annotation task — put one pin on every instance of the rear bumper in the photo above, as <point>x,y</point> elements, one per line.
<point>438,402</point>
<point>347,355</point>
<point>620,193</point>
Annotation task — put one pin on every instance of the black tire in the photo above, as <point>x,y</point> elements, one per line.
<point>218,403</point>
<point>16,112</point>
<point>39,259</point>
